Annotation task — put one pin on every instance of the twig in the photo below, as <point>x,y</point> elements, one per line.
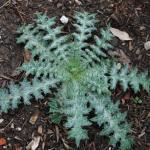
<point>5,77</point>
<point>24,124</point>
<point>1,130</point>
<point>5,4</point>
<point>20,13</point>
<point>27,3</point>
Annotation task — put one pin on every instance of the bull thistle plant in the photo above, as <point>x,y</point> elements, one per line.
<point>82,73</point>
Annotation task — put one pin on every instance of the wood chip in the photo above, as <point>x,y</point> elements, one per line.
<point>34,117</point>
<point>43,146</point>
<point>50,131</point>
<point>17,147</point>
<point>40,129</point>
<point>65,144</point>
<point>33,145</point>
<point>130,46</point>
<point>57,133</point>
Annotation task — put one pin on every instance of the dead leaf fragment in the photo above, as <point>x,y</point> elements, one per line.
<point>122,35</point>
<point>27,56</point>
<point>66,144</point>
<point>2,141</point>
<point>34,117</point>
<point>122,57</point>
<point>33,145</point>
<point>126,97</point>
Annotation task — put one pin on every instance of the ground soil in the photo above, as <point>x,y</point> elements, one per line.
<point>132,16</point>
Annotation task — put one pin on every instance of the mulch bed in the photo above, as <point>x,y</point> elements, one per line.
<point>132,16</point>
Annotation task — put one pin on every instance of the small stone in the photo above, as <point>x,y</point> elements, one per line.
<point>110,148</point>
<point>64,19</point>
<point>147,45</point>
<point>139,57</point>
<point>18,129</point>
<point>119,66</point>
<point>1,120</point>
<point>142,28</point>
<point>59,5</point>
<point>5,147</point>
<point>78,2</point>
<point>12,126</point>
<point>137,51</point>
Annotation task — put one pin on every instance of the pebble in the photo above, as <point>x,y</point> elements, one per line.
<point>5,147</point>
<point>12,126</point>
<point>1,120</point>
<point>147,45</point>
<point>18,129</point>
<point>142,28</point>
<point>59,5</point>
<point>119,66</point>
<point>139,57</point>
<point>137,51</point>
<point>64,19</point>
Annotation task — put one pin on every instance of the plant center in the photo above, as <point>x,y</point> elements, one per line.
<point>75,68</point>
